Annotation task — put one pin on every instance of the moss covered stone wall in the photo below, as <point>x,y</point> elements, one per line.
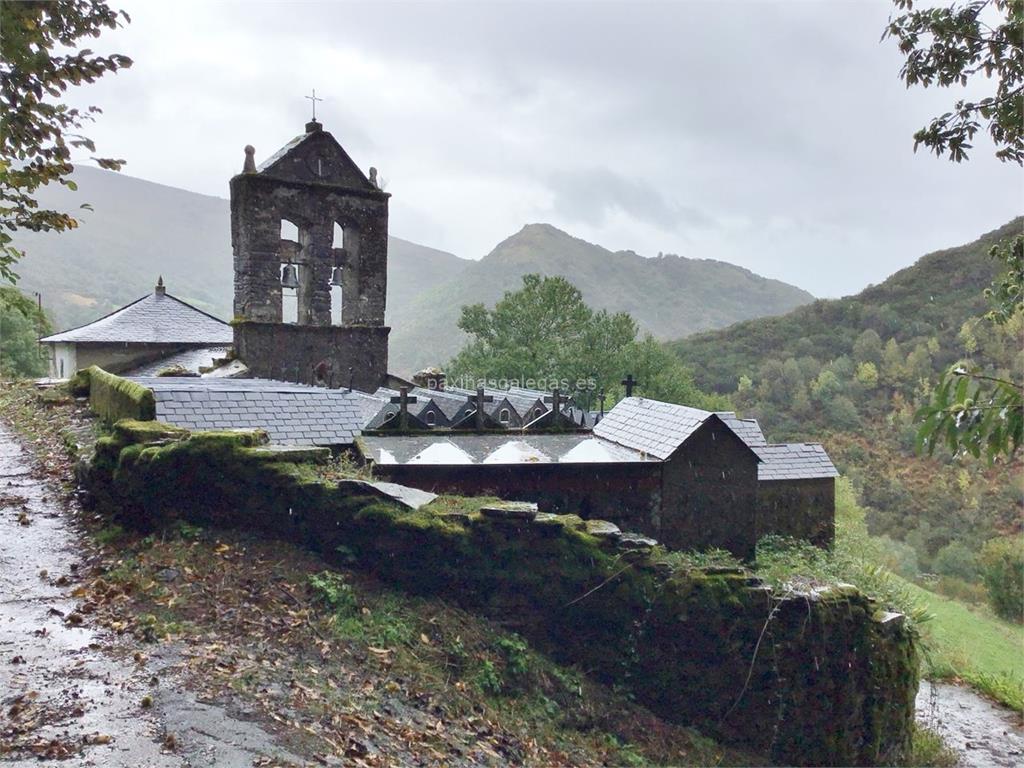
<point>815,679</point>
<point>114,398</point>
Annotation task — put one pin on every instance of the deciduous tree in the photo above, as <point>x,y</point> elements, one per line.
<point>41,59</point>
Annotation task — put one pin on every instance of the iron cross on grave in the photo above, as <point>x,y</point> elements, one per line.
<point>479,400</point>
<point>629,382</point>
<point>403,399</point>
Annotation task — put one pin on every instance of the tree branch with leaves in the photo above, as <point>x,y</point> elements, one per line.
<point>40,60</point>
<point>972,411</point>
<point>951,45</point>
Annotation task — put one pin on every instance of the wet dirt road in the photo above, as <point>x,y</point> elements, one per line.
<point>67,692</point>
<point>985,735</point>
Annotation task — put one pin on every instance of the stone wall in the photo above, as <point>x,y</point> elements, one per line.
<point>627,494</point>
<point>709,493</point>
<point>802,509</point>
<point>354,354</point>
<point>113,398</point>
<point>823,678</point>
<point>705,495</point>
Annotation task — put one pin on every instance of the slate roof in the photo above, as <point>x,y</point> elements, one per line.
<point>650,426</point>
<point>505,448</point>
<point>292,414</point>
<point>748,429</point>
<point>157,318</point>
<point>794,461</point>
<point>191,360</point>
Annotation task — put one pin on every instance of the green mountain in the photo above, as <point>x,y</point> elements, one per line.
<point>138,230</point>
<point>851,372</point>
<point>669,296</point>
<point>932,297</point>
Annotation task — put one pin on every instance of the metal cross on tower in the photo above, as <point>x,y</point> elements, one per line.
<point>313,99</point>
<point>629,382</point>
<point>479,400</point>
<point>403,399</point>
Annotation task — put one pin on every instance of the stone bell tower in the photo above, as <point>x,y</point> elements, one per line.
<point>339,256</point>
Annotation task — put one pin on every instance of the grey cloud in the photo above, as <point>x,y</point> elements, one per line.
<point>589,195</point>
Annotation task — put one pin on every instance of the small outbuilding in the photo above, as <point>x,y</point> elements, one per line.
<point>152,328</point>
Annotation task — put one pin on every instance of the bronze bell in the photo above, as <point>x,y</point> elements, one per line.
<point>336,276</point>
<point>290,276</point>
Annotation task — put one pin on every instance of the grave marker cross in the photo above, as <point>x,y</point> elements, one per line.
<point>555,398</point>
<point>629,382</point>
<point>479,399</point>
<point>403,399</point>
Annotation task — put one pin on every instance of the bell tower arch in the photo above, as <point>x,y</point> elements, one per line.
<point>310,189</point>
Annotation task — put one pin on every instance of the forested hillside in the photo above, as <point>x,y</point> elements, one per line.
<point>851,372</point>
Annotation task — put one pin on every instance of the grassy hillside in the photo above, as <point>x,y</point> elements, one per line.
<point>138,230</point>
<point>851,372</point>
<point>669,296</point>
<point>970,643</point>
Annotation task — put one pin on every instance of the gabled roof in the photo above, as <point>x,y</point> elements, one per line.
<point>794,461</point>
<point>316,157</point>
<point>650,426</point>
<point>157,318</point>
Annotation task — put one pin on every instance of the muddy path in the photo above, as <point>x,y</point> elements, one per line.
<point>985,734</point>
<point>76,695</point>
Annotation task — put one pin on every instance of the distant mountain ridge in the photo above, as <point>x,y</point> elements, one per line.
<point>139,230</point>
<point>669,296</point>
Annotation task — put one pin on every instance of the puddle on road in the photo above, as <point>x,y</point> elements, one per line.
<point>985,735</point>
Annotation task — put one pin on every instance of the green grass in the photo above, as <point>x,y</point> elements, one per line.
<point>972,644</point>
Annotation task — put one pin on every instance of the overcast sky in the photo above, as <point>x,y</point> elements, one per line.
<point>774,135</point>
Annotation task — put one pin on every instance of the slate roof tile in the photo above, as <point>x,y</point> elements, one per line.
<point>292,414</point>
<point>154,319</point>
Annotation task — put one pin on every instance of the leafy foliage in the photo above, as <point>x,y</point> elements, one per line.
<point>544,333</point>
<point>948,46</point>
<point>1002,566</point>
<point>39,63</point>
<point>21,324</point>
<point>973,411</point>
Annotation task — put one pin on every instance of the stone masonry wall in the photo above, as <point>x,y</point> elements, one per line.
<point>801,509</point>
<point>628,495</point>
<point>822,678</point>
<point>354,354</point>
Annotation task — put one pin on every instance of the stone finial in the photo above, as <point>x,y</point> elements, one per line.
<point>373,177</point>
<point>160,290</point>
<point>250,159</point>
<point>314,126</point>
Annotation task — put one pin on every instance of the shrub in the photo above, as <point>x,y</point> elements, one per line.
<point>957,561</point>
<point>1002,570</point>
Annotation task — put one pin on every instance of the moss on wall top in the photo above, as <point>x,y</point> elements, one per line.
<point>114,398</point>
